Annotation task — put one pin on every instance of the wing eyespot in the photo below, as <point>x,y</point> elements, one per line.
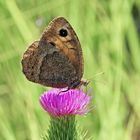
<point>63,32</point>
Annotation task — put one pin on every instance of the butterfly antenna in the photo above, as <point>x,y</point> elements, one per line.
<point>93,77</point>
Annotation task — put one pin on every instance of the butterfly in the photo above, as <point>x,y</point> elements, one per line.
<point>56,60</point>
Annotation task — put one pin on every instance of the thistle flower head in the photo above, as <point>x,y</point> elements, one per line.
<point>71,102</point>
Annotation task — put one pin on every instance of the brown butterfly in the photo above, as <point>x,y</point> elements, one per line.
<point>56,60</point>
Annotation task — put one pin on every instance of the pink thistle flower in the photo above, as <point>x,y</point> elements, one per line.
<point>71,102</point>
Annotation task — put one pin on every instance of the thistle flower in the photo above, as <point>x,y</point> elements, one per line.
<point>71,102</point>
<point>62,107</point>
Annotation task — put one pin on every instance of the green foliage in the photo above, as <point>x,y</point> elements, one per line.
<point>110,39</point>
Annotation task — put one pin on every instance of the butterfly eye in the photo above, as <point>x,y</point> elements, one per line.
<point>63,32</point>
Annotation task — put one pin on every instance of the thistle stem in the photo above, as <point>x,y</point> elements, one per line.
<point>63,128</point>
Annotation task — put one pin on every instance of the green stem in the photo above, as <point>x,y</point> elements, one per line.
<point>63,128</point>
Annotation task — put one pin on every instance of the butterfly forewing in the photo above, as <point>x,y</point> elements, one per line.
<point>56,59</point>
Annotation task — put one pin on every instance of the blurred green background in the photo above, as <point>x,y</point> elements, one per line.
<point>109,32</point>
